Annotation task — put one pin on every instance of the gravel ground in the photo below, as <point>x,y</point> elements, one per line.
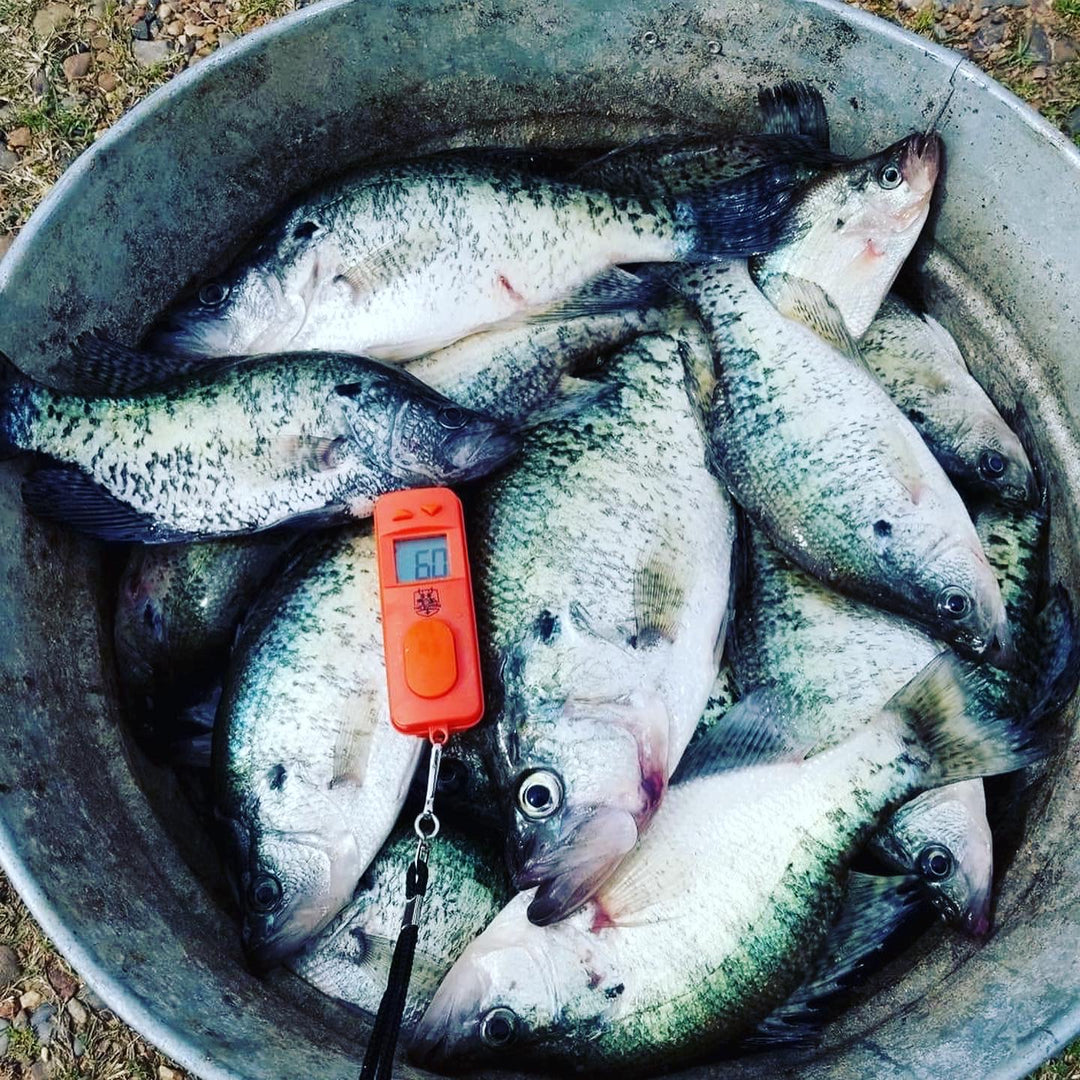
<point>68,70</point>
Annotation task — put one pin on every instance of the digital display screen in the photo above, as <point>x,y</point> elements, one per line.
<point>420,560</point>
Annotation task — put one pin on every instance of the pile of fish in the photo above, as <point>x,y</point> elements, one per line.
<point>760,573</point>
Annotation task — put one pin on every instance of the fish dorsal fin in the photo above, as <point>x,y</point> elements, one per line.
<point>613,290</point>
<point>108,369</point>
<point>65,494</point>
<point>807,302</point>
<point>750,733</point>
<point>660,595</point>
<point>794,108</point>
<point>876,912</point>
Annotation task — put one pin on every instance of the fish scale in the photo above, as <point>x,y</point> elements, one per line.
<point>563,544</point>
<point>819,457</point>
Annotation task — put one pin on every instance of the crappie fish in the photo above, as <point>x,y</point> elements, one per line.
<point>713,920</point>
<point>819,458</point>
<point>854,225</point>
<point>177,610</point>
<point>243,446</point>
<point>921,367</point>
<point>601,567</point>
<point>520,373</point>
<point>309,774</point>
<point>832,662</point>
<point>944,837</point>
<point>350,959</point>
<point>394,262</point>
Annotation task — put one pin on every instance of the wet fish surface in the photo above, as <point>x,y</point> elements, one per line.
<point>822,461</point>
<point>702,931</point>
<point>922,368</point>
<point>350,959</point>
<point>241,447</point>
<point>601,568</point>
<point>395,262</point>
<point>309,774</point>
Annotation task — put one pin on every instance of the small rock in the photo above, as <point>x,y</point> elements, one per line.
<point>40,1071</point>
<point>148,53</point>
<point>90,999</point>
<point>165,1073</point>
<point>100,9</point>
<point>164,11</point>
<point>100,42</point>
<point>64,984</point>
<point>30,1000</point>
<point>76,66</point>
<point>1040,72</point>
<point>78,1047</point>
<point>175,28</point>
<point>5,1025</point>
<point>107,82</point>
<point>988,36</point>
<point>1072,122</point>
<point>43,1022</point>
<point>8,1008</point>
<point>140,32</point>
<point>39,83</point>
<point>77,1011</point>
<point>9,965</point>
<point>226,37</point>
<point>1038,45</point>
<point>21,1020</point>
<point>193,31</point>
<point>1063,50</point>
<point>8,160</point>
<point>50,18</point>
<point>19,139</point>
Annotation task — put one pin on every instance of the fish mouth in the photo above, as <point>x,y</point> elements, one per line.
<point>263,949</point>
<point>920,161</point>
<point>568,868</point>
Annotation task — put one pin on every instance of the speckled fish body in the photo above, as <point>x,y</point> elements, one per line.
<point>819,457</point>
<point>350,959</point>
<point>310,776</point>
<point>245,446</point>
<point>832,662</point>
<point>1014,540</point>
<point>922,368</point>
<point>854,225</point>
<point>177,610</point>
<point>602,564</point>
<point>516,373</point>
<point>398,261</point>
<point>711,921</point>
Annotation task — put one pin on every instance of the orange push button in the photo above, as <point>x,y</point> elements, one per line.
<point>430,661</point>
<point>402,514</point>
<point>431,509</point>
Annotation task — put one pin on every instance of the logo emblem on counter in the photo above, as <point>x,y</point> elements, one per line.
<point>426,601</point>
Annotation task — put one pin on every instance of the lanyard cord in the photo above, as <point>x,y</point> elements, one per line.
<point>379,1056</point>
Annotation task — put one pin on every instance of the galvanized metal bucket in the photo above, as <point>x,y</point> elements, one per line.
<point>94,838</point>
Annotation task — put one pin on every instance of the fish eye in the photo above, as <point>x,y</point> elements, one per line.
<point>540,794</point>
<point>213,293</point>
<point>991,464</point>
<point>954,603</point>
<point>264,893</point>
<point>497,1027</point>
<point>935,862</point>
<point>890,176</point>
<point>452,417</point>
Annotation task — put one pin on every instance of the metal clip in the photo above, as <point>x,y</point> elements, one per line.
<point>426,825</point>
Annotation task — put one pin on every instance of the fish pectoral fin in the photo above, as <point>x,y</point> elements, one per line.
<point>313,453</point>
<point>571,395</point>
<point>65,494</point>
<point>876,910</point>
<point>388,262</point>
<point>352,746</point>
<point>613,290</point>
<point>108,369</point>
<point>807,302</point>
<point>794,108</point>
<point>660,593</point>
<point>903,463</point>
<point>752,732</point>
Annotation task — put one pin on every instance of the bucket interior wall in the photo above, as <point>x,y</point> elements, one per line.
<point>187,177</point>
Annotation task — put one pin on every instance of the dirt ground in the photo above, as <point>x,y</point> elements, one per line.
<point>71,68</point>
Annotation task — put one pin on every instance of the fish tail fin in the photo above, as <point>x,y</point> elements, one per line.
<point>14,387</point>
<point>739,218</point>
<point>944,707</point>
<point>1057,679</point>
